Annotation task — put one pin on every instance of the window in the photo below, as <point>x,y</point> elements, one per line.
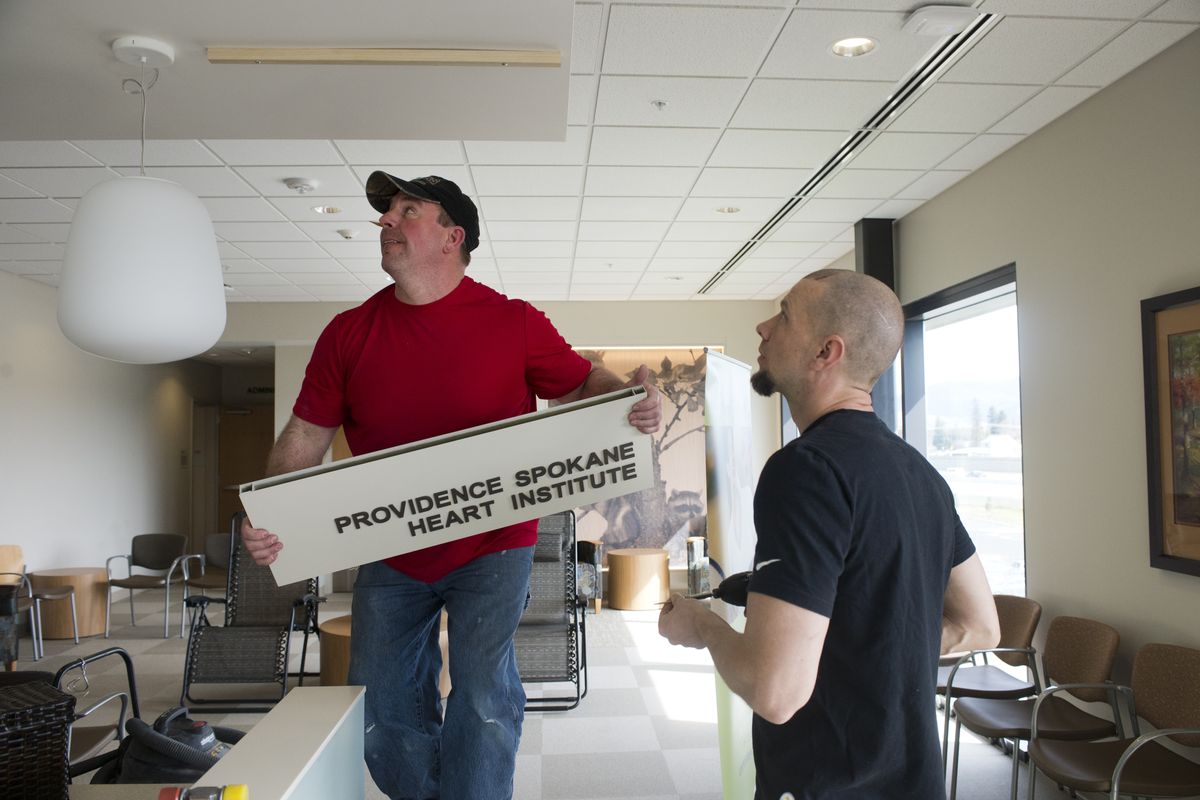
<point>962,403</point>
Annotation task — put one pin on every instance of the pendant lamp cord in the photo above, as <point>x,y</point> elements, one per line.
<point>142,88</point>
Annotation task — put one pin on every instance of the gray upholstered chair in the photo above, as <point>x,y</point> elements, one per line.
<point>162,554</point>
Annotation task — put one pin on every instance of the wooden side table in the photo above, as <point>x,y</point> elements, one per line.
<point>91,586</point>
<point>638,578</point>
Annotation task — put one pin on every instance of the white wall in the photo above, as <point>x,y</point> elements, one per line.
<point>293,327</point>
<point>90,450</point>
<point>1098,211</point>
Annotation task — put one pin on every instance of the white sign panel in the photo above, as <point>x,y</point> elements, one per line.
<point>438,490</point>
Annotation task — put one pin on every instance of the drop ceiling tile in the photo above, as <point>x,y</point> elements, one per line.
<point>343,249</point>
<point>629,231</point>
<point>722,251</point>
<point>31,268</point>
<point>677,266</point>
<point>639,181</point>
<point>524,208</point>
<point>629,208</point>
<point>843,211</point>
<point>240,279</point>
<point>685,280</point>
<point>896,209</point>
<point>525,278</point>
<point>1031,50</point>
<point>276,152</point>
<point>758,148</point>
<point>240,209</point>
<point>585,36</point>
<point>713,42</point>
<point>750,209</point>
<point>774,266</point>
<point>333,181</point>
<point>712,231</point>
<point>12,235</point>
<point>802,49</point>
<point>652,146</point>
<point>908,150</point>
<point>867,183</point>
<point>627,279</point>
<point>39,231</point>
<point>458,174</point>
<point>159,152</point>
<point>1047,106</point>
<point>277,294</point>
<point>9,188</point>
<point>553,267</point>
<point>258,232</point>
<point>547,231</point>
<point>614,249</point>
<point>1111,9</point>
<point>265,250</point>
<point>1128,51</point>
<point>871,5</point>
<point>690,102</point>
<point>980,150</point>
<point>238,265</point>
<point>200,181</point>
<point>355,210</point>
<point>792,251</point>
<point>330,231</point>
<point>372,264</point>
<point>321,279</point>
<point>371,154</point>
<point>581,99</point>
<point>532,249</point>
<point>818,232</point>
<point>60,181</point>
<point>34,251</point>
<point>378,280</point>
<point>931,184</point>
<point>835,250</point>
<point>572,150</point>
<point>1177,11</point>
<point>616,265</point>
<point>960,107</point>
<point>748,280</point>
<point>810,105</point>
<point>39,210</point>
<point>750,182</point>
<point>520,181</point>
<point>49,280</point>
<point>44,154</point>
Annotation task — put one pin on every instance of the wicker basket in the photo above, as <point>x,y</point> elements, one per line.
<point>35,719</point>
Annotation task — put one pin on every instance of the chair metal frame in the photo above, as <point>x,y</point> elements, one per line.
<point>14,555</point>
<point>247,580</point>
<point>35,611</point>
<point>180,563</point>
<point>128,701</point>
<point>568,631</point>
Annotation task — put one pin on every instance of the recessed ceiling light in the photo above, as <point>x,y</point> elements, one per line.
<point>853,46</point>
<point>327,209</point>
<point>728,210</point>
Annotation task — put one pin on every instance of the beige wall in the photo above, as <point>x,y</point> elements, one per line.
<point>1098,211</point>
<point>91,452</point>
<point>295,326</point>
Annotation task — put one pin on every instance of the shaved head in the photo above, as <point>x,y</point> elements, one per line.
<point>861,310</point>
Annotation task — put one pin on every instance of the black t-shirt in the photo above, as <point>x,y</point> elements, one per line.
<point>855,525</point>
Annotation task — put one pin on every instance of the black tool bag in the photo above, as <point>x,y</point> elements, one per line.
<point>175,749</point>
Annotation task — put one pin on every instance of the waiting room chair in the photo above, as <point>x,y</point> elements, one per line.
<point>551,638</point>
<point>214,565</point>
<point>253,646</point>
<point>1077,651</point>
<point>12,560</point>
<point>18,583</point>
<point>88,742</point>
<point>1167,692</point>
<point>162,553</point>
<point>1018,618</point>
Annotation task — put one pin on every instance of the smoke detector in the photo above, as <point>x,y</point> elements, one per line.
<point>939,20</point>
<point>301,185</point>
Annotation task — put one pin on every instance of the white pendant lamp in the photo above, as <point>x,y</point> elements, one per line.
<point>141,281</point>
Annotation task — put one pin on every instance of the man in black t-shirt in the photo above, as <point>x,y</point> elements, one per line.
<point>863,572</point>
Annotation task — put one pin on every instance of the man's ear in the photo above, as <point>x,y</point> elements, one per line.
<point>832,351</point>
<point>455,239</point>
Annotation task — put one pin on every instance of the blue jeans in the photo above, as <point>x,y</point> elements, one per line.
<point>410,751</point>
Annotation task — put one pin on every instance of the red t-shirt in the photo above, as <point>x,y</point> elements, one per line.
<point>391,373</point>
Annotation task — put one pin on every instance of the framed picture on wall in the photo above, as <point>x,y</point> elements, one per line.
<point>1171,362</point>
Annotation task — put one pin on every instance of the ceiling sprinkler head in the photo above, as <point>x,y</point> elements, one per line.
<point>347,233</point>
<point>301,185</point>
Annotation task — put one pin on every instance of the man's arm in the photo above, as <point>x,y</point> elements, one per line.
<point>300,444</point>
<point>969,620</point>
<point>646,414</point>
<point>772,665</point>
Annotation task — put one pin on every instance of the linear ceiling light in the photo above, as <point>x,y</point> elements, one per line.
<point>383,56</point>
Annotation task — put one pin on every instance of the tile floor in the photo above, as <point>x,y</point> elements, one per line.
<point>645,731</point>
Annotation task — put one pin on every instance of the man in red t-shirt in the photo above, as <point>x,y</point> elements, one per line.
<point>436,352</point>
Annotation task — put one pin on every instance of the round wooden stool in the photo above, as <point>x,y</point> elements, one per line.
<point>638,578</point>
<point>335,651</point>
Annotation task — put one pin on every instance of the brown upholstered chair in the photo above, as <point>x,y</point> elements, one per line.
<point>1077,651</point>
<point>1167,691</point>
<point>1019,618</point>
<point>214,565</point>
<point>162,553</point>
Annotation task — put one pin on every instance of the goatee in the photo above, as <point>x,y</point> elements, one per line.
<point>762,383</point>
